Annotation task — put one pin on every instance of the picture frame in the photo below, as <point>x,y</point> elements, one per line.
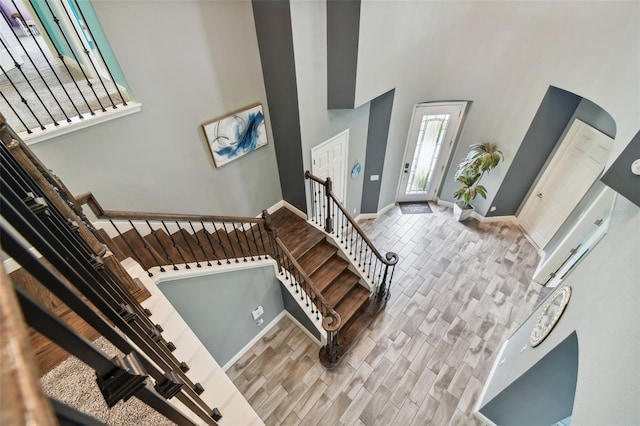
<point>236,134</point>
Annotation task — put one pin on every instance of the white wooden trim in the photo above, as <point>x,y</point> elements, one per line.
<point>365,216</point>
<point>39,135</point>
<point>295,210</point>
<point>476,408</point>
<point>253,341</point>
<point>488,219</point>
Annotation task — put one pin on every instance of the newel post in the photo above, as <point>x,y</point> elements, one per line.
<point>328,187</point>
<point>385,285</point>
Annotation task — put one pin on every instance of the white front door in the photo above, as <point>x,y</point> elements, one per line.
<point>431,134</point>
<point>329,159</point>
<point>579,161</point>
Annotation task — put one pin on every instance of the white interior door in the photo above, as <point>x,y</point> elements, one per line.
<point>431,134</point>
<point>579,161</point>
<point>329,159</point>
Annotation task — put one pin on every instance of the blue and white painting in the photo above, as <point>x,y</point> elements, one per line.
<point>235,135</point>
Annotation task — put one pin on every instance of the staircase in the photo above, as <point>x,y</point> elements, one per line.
<point>327,262</point>
<point>175,244</point>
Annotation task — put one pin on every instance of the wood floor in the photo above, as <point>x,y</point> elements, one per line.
<point>459,291</point>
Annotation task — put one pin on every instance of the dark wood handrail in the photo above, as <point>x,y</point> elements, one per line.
<point>390,258</point>
<point>90,200</point>
<point>332,319</point>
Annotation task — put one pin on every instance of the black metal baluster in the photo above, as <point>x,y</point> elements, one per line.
<point>149,249</point>
<point>73,53</point>
<point>86,52</point>
<point>182,232</point>
<point>195,234</point>
<point>15,113</point>
<point>224,251</point>
<point>34,66</point>
<point>46,58</point>
<point>240,247</point>
<point>166,253</point>
<point>247,241</point>
<point>24,101</point>
<point>215,253</point>
<point>224,226</point>
<point>124,101</point>
<point>131,250</point>
<point>64,63</point>
<point>35,92</point>
<point>255,240</point>
<point>175,245</point>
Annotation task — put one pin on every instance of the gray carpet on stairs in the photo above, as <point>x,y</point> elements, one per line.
<point>74,383</point>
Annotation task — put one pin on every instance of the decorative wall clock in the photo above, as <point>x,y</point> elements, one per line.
<point>550,315</point>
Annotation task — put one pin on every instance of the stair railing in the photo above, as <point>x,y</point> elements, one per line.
<point>329,213</point>
<point>177,240</point>
<point>309,294</point>
<point>36,215</point>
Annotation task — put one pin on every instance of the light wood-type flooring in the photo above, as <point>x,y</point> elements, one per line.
<point>459,291</point>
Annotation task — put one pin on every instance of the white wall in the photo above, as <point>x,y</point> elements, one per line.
<point>605,313</point>
<point>317,124</point>
<point>502,56</point>
<point>187,62</point>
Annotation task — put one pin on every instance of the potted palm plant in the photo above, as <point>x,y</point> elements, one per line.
<point>482,158</point>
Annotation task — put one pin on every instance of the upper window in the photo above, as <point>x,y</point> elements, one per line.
<point>57,70</point>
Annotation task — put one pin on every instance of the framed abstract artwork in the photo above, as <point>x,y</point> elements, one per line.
<point>236,134</point>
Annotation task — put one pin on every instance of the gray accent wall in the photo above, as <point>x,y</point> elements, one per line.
<point>619,176</point>
<point>218,307</point>
<point>294,309</point>
<point>187,63</point>
<point>275,39</point>
<point>379,118</point>
<point>544,394</point>
<point>343,26</point>
<point>317,123</point>
<point>548,125</point>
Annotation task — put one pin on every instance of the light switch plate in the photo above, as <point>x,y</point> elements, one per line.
<point>257,312</point>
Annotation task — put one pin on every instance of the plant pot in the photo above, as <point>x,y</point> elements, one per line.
<point>461,211</point>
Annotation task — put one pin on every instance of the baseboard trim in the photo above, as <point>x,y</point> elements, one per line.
<point>386,208</point>
<point>303,328</point>
<point>366,216</point>
<point>488,219</point>
<point>282,203</point>
<point>484,219</point>
<point>253,341</point>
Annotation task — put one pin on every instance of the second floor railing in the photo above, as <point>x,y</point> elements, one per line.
<point>76,269</point>
<point>56,72</point>
<point>328,212</point>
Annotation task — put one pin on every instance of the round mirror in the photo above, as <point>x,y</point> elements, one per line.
<point>550,315</point>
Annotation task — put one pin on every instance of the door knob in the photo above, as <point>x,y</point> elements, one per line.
<point>539,195</point>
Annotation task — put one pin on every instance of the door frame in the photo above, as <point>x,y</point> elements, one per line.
<point>544,175</point>
<point>462,106</point>
<point>345,166</point>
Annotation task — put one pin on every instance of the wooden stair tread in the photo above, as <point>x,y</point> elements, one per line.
<point>328,272</point>
<point>340,287</point>
<point>110,243</point>
<point>317,256</point>
<point>132,246</point>
<point>163,245</point>
<point>351,303</point>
